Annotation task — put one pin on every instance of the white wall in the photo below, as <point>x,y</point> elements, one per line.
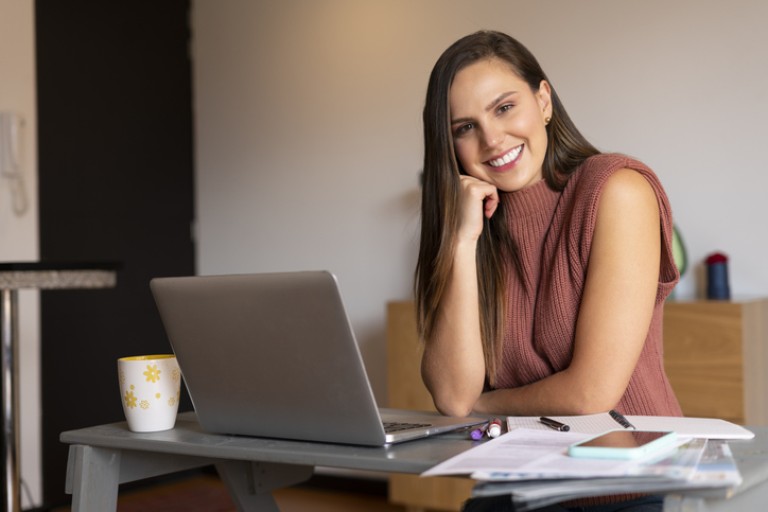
<point>309,138</point>
<point>19,232</point>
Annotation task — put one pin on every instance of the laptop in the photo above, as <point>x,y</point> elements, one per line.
<point>273,355</point>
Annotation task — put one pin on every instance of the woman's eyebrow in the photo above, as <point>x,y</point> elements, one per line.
<point>460,120</point>
<point>501,97</point>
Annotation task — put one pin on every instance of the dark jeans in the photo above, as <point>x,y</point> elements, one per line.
<point>504,504</point>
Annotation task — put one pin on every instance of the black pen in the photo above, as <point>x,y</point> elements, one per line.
<point>621,420</point>
<point>562,427</point>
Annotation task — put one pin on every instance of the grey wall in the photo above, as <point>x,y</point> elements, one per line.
<point>308,129</point>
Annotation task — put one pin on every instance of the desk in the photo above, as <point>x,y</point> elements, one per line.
<point>37,275</point>
<point>102,457</point>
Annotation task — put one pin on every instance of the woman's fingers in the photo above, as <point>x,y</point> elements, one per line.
<point>478,199</point>
<point>491,203</point>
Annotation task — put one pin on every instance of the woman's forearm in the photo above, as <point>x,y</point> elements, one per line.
<point>567,392</point>
<point>453,365</point>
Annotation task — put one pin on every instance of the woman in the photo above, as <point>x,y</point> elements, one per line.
<point>543,264</point>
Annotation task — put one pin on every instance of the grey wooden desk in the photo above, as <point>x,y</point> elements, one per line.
<point>102,457</point>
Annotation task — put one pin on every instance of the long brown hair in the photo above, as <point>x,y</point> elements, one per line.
<point>497,251</point>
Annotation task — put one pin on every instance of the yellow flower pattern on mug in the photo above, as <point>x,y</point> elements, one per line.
<point>153,373</point>
<point>149,389</point>
<point>130,398</point>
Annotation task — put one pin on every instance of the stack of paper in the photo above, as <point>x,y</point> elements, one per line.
<point>715,474</point>
<point>530,462</point>
<point>524,454</point>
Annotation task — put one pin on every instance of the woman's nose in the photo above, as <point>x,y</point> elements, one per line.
<point>493,135</point>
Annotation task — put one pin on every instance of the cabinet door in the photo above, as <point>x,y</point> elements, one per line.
<point>703,357</point>
<point>716,354</point>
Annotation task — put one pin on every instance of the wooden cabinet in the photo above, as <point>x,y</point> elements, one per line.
<point>716,356</point>
<point>406,391</point>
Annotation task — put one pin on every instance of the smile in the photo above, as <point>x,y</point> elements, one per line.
<point>508,157</point>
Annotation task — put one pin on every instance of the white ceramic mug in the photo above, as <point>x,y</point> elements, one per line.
<point>150,387</point>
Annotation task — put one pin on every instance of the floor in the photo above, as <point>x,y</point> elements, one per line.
<point>206,493</point>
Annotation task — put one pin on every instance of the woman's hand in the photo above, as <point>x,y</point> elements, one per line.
<point>479,200</point>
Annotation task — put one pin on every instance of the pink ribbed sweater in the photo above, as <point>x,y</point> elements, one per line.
<point>554,232</point>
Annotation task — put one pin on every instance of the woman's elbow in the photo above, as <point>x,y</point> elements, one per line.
<point>452,395</point>
<point>456,408</point>
<point>451,401</point>
<point>454,401</point>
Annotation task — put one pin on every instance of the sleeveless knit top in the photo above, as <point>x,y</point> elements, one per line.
<point>554,232</point>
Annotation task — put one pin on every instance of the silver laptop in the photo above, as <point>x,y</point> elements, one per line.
<point>273,355</point>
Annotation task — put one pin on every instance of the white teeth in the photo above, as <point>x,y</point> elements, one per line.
<point>498,162</point>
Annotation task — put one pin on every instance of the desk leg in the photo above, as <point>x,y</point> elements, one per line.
<point>93,474</point>
<point>251,483</point>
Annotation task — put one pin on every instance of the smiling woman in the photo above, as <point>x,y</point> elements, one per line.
<point>498,124</point>
<point>543,264</point>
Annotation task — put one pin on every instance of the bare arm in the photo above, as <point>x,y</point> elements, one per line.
<point>453,365</point>
<point>615,313</point>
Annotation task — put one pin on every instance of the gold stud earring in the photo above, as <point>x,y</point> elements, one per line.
<point>547,120</point>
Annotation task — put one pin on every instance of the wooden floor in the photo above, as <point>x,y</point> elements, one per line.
<point>206,493</point>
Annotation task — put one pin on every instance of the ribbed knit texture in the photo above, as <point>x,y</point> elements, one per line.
<point>554,233</point>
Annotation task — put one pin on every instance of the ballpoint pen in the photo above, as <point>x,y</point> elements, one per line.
<point>562,427</point>
<point>620,419</point>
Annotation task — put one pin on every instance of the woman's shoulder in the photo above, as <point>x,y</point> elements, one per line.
<point>607,163</point>
<point>595,171</point>
<point>622,176</point>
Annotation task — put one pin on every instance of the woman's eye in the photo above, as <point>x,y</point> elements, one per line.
<point>462,129</point>
<point>504,108</point>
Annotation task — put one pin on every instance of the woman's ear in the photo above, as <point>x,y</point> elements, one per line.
<point>544,96</point>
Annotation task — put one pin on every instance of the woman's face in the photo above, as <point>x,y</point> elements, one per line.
<point>498,124</point>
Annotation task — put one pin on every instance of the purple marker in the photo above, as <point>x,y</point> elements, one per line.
<point>478,433</point>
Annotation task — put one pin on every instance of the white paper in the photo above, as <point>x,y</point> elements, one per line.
<point>526,453</point>
<point>709,464</point>
<point>710,428</point>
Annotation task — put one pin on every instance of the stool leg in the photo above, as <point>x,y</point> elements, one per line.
<point>10,401</point>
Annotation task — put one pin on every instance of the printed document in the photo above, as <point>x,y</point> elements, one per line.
<point>535,454</point>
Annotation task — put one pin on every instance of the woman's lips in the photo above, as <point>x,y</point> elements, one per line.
<point>505,160</point>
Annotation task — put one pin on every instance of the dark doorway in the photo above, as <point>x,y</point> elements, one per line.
<point>115,184</point>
